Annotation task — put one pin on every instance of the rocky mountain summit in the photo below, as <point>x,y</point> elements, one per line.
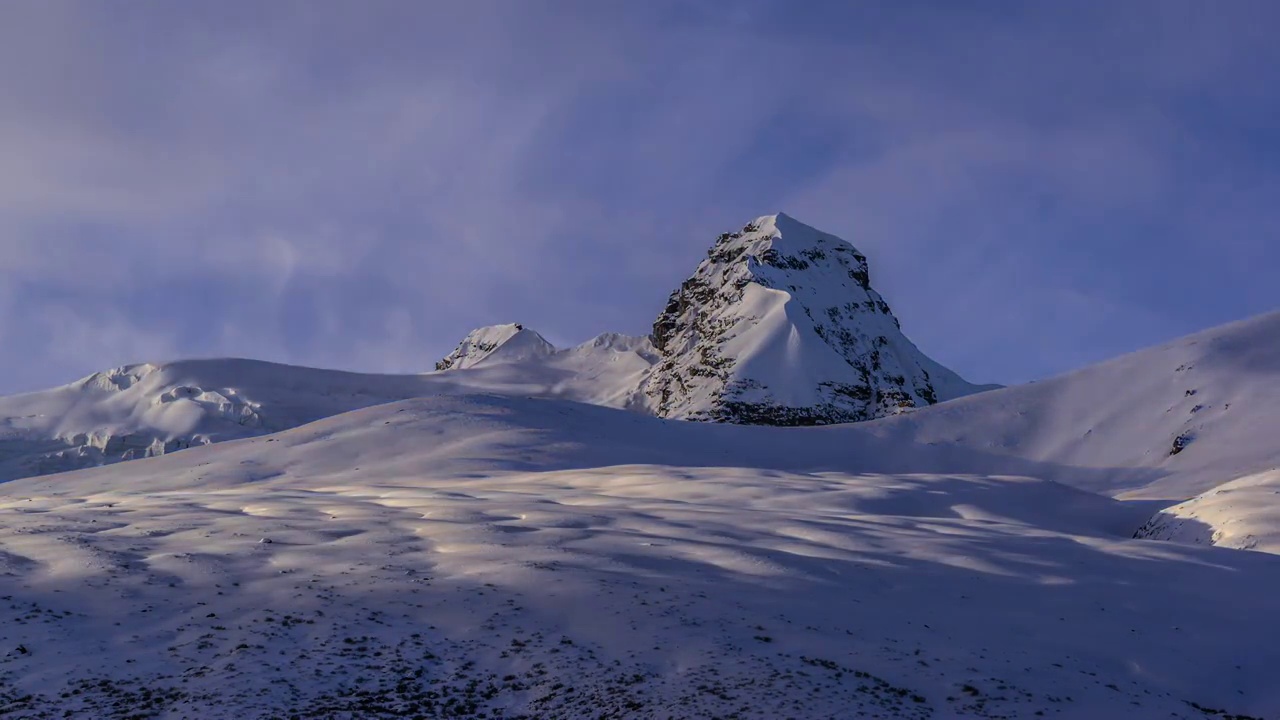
<point>779,325</point>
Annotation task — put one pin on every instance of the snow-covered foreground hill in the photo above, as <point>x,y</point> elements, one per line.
<point>1214,397</point>
<point>490,556</point>
<point>1242,514</point>
<point>1197,417</point>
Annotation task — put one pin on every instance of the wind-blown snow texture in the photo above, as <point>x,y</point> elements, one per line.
<point>779,325</point>
<point>469,556</point>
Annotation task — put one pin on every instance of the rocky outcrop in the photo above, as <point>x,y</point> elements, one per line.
<point>779,325</point>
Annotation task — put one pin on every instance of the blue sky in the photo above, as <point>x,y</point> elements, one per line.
<point>352,184</point>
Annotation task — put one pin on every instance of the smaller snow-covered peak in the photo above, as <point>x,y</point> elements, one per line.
<point>507,343</point>
<point>116,379</point>
<point>617,342</point>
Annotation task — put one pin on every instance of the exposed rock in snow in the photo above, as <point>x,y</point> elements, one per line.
<point>779,325</point>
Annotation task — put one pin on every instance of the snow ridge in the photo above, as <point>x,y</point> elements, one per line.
<point>779,325</point>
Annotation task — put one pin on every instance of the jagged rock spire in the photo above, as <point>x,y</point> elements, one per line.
<point>780,325</point>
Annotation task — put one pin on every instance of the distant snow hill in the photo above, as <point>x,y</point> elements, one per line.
<point>153,409</point>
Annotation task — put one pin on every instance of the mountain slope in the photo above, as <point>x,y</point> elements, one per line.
<point>1242,514</point>
<point>469,556</point>
<point>779,325</point>
<point>1167,422</point>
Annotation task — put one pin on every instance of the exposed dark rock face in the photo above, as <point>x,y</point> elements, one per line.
<point>779,325</point>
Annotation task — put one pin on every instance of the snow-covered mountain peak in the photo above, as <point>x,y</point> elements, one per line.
<point>780,325</point>
<point>779,242</point>
<point>507,343</point>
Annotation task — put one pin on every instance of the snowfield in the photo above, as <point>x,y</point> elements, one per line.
<point>468,556</point>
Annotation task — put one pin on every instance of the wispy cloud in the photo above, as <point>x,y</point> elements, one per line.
<point>357,184</point>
